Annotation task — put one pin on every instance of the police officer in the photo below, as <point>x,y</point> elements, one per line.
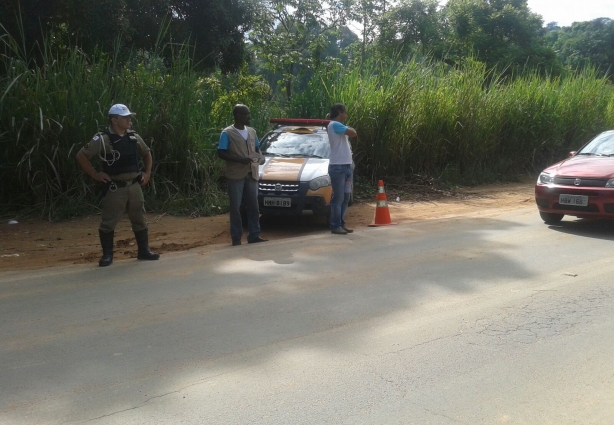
<point>119,148</point>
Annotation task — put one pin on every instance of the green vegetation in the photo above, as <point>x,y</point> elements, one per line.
<point>585,43</point>
<point>49,111</point>
<point>469,93</point>
<point>465,124</point>
<point>214,29</point>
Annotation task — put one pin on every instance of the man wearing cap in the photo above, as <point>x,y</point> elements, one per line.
<point>239,147</point>
<point>119,148</point>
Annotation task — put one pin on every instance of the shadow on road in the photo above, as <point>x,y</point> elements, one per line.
<point>188,319</point>
<point>596,229</point>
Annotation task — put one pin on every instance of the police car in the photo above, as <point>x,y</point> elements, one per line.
<point>294,177</point>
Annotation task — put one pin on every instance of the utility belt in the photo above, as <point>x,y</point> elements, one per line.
<point>113,185</point>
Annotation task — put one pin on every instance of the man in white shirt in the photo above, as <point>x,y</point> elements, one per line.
<point>340,167</point>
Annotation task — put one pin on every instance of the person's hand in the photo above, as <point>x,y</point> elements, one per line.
<point>246,160</point>
<point>102,177</point>
<point>257,158</point>
<point>145,178</point>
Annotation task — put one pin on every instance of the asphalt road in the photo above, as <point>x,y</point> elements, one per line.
<point>499,320</point>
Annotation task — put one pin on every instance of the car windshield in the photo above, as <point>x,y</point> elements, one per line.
<point>602,145</point>
<point>296,144</point>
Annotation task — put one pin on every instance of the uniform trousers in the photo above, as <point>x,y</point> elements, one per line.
<point>124,199</point>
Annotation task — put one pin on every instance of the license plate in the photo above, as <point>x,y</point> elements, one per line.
<point>277,202</point>
<point>578,200</point>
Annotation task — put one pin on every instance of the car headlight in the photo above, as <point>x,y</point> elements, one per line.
<point>610,183</point>
<point>319,182</point>
<point>545,178</point>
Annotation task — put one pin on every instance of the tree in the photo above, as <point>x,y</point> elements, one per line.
<point>368,13</point>
<point>337,42</point>
<point>214,28</point>
<point>550,26</point>
<point>89,22</point>
<point>585,43</point>
<point>148,21</point>
<point>412,25</point>
<point>498,33</point>
<point>289,36</point>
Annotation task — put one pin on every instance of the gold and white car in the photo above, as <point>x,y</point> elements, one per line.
<point>294,178</point>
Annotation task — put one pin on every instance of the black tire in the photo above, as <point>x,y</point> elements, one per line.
<point>551,218</point>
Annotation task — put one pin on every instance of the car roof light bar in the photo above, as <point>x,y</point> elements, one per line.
<point>298,121</point>
<point>300,130</point>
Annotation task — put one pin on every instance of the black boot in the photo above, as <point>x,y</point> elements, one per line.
<point>142,240</point>
<point>106,241</point>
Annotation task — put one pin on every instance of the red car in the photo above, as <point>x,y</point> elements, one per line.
<point>581,185</point>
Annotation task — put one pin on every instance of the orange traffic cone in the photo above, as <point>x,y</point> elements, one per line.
<point>382,215</point>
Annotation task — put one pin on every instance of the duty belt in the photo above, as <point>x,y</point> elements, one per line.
<point>113,185</point>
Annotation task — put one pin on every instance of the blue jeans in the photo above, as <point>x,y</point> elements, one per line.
<point>341,180</point>
<point>244,190</point>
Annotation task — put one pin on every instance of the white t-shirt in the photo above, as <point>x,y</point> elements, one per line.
<point>340,148</point>
<point>243,132</point>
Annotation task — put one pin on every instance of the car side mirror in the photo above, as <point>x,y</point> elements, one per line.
<point>572,153</point>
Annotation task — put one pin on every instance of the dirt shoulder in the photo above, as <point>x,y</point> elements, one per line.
<point>35,244</point>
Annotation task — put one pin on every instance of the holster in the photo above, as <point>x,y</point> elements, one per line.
<point>113,185</point>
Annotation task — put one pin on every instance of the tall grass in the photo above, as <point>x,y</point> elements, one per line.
<point>463,125</point>
<point>49,111</point>
<point>469,124</point>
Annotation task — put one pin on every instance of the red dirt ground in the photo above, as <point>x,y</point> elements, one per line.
<point>34,244</point>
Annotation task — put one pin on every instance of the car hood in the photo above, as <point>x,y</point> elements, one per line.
<point>293,169</point>
<point>584,166</point>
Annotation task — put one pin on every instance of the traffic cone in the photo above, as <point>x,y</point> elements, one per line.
<point>382,214</point>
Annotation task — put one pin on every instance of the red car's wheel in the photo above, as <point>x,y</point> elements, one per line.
<point>551,218</point>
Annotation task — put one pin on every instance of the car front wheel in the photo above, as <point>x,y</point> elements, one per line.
<point>551,218</point>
